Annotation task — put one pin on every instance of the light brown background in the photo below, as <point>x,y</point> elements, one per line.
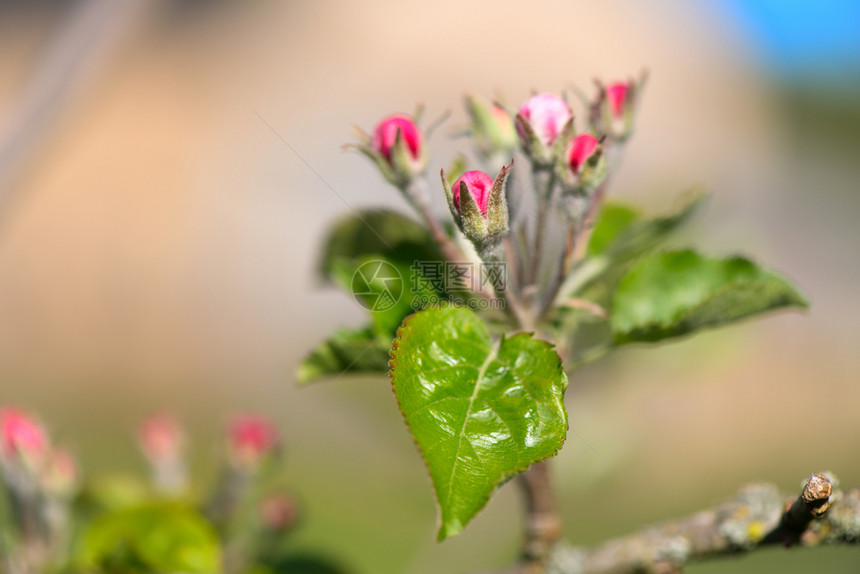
<point>157,252</point>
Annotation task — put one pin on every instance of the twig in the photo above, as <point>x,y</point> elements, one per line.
<point>615,153</point>
<point>513,307</point>
<point>543,524</point>
<point>512,261</point>
<point>581,240</point>
<point>563,269</point>
<point>575,245</point>
<point>544,180</point>
<point>758,517</point>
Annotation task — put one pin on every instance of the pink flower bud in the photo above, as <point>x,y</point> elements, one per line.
<point>581,148</point>
<point>21,436</point>
<point>617,95</point>
<point>502,118</point>
<point>278,512</point>
<point>547,114</point>
<point>250,438</point>
<point>479,185</point>
<point>386,134</point>
<point>161,438</point>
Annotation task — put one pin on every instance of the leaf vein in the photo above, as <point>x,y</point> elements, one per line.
<point>481,373</point>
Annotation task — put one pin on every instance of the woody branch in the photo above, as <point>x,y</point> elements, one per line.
<point>759,516</point>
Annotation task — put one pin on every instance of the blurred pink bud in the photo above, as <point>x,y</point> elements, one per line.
<point>386,134</point>
<point>278,512</point>
<point>61,473</point>
<point>502,118</point>
<point>479,185</point>
<point>161,438</point>
<point>251,437</point>
<point>617,94</point>
<point>21,436</point>
<point>581,148</point>
<point>547,114</point>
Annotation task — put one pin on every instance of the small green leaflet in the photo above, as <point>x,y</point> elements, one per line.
<point>346,351</point>
<point>621,235</point>
<point>379,232</point>
<point>480,411</point>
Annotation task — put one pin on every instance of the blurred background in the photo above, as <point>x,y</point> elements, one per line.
<point>159,224</point>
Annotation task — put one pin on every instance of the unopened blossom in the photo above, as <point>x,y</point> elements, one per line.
<point>22,438</point>
<point>478,184</point>
<point>386,133</point>
<point>547,115</point>
<point>161,438</point>
<point>250,438</point>
<point>581,149</point>
<point>482,212</point>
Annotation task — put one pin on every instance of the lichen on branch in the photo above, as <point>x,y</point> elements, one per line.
<point>759,516</point>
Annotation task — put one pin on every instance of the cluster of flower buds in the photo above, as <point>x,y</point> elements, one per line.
<point>544,129</point>
<point>23,442</point>
<point>480,208</point>
<point>29,461</point>
<point>396,148</point>
<point>612,112</point>
<point>162,440</point>
<point>547,134</point>
<point>278,512</point>
<point>40,480</point>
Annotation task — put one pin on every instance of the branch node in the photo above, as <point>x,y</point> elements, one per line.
<point>813,502</point>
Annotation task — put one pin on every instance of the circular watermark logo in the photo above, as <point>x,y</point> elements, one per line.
<point>377,285</point>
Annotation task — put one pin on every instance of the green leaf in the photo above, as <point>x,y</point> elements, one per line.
<point>152,538</point>
<point>390,289</point>
<point>642,235</point>
<point>375,232</point>
<point>480,411</point>
<point>614,219</point>
<point>302,564</point>
<point>347,351</point>
<point>623,234</point>
<point>675,293</point>
<point>115,491</point>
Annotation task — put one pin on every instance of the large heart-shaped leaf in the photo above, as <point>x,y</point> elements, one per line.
<point>674,293</point>
<point>480,411</point>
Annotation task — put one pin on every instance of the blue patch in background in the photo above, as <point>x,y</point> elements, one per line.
<point>803,38</point>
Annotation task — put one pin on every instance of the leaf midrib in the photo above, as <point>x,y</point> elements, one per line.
<point>494,352</point>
